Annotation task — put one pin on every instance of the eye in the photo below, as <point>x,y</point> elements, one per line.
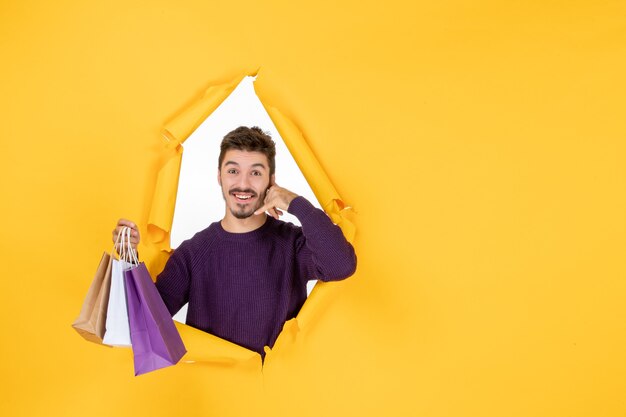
<point>232,171</point>
<point>256,173</point>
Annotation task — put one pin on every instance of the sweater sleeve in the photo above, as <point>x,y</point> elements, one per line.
<point>323,251</point>
<point>174,282</point>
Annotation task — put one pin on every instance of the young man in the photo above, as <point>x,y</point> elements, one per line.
<point>245,275</point>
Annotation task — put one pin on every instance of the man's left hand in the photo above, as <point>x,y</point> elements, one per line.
<point>276,199</point>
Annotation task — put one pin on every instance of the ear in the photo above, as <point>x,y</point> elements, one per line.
<point>273,180</point>
<point>219,177</point>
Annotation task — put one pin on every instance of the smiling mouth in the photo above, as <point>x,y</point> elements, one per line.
<point>243,196</point>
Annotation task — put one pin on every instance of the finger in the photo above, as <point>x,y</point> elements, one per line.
<point>127,223</point>
<point>272,212</point>
<point>118,230</point>
<point>270,209</point>
<point>134,236</point>
<point>133,232</point>
<point>116,233</point>
<point>134,229</point>
<point>263,209</point>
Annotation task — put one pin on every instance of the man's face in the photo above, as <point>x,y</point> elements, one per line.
<point>244,177</point>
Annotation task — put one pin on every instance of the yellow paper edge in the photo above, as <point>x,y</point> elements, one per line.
<point>205,347</point>
<point>175,133</point>
<point>202,346</point>
<point>333,205</point>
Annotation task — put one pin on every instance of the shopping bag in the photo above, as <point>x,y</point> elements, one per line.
<point>90,323</point>
<point>155,339</point>
<point>117,331</point>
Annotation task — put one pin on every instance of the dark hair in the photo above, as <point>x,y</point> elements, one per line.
<point>251,139</point>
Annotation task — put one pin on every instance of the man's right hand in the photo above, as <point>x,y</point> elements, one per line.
<point>134,232</point>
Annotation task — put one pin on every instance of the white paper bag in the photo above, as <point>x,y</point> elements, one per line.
<point>117,331</point>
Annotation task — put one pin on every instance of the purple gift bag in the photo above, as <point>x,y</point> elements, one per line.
<point>155,340</point>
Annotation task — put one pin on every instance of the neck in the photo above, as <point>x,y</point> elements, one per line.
<point>232,224</point>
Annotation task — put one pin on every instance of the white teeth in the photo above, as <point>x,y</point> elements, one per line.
<point>242,197</point>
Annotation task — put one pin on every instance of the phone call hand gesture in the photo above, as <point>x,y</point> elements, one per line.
<point>277,200</point>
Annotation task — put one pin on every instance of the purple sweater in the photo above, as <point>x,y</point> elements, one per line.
<point>242,287</point>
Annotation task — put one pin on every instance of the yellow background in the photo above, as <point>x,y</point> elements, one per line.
<point>482,144</point>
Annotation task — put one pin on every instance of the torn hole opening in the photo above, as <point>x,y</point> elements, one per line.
<point>200,202</point>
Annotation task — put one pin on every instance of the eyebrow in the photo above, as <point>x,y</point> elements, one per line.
<point>258,164</point>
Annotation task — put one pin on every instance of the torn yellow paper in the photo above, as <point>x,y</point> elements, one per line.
<point>314,173</point>
<point>203,347</point>
<point>175,133</point>
<point>221,351</point>
<point>162,210</point>
<point>178,129</point>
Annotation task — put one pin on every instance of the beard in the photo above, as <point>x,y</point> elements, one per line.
<point>243,211</point>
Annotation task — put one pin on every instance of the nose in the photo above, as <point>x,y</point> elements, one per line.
<point>243,182</point>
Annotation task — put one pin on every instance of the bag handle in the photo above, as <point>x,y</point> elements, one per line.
<point>125,252</point>
<point>118,246</point>
<point>131,254</point>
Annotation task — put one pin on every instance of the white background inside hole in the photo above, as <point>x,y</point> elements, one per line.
<point>199,199</point>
